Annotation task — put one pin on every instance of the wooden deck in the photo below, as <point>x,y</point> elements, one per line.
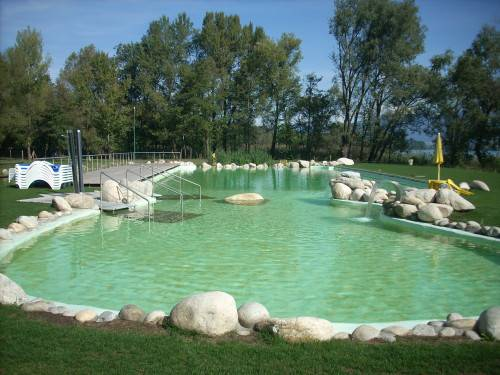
<point>119,173</point>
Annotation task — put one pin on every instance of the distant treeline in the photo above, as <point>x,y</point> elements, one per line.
<point>230,87</point>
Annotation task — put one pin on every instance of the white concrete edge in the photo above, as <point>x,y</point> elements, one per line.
<point>457,233</point>
<point>7,246</point>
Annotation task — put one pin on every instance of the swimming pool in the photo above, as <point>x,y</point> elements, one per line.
<point>297,254</point>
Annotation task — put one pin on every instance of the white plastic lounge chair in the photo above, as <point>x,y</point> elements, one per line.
<point>53,174</point>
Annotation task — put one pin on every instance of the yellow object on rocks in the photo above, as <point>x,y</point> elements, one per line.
<point>436,184</point>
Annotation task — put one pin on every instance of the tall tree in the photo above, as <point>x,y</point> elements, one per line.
<point>26,82</point>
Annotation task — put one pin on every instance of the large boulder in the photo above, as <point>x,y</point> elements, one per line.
<point>345,161</point>
<point>10,292</point>
<point>425,195</point>
<point>453,199</point>
<point>251,313</point>
<point>80,200</point>
<point>30,222</point>
<point>434,211</point>
<point>479,185</point>
<point>303,164</point>
<point>341,191</point>
<point>246,199</point>
<point>404,210</point>
<point>111,192</point>
<point>61,204</point>
<point>489,322</point>
<point>365,333</point>
<point>301,329</point>
<point>357,195</point>
<point>461,323</point>
<point>293,165</point>
<point>132,313</point>
<point>211,313</point>
<point>16,227</point>
<point>205,166</point>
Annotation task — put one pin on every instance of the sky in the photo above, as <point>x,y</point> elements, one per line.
<point>67,26</point>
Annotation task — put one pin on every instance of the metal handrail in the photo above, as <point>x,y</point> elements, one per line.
<point>179,178</point>
<point>181,196</point>
<point>126,187</point>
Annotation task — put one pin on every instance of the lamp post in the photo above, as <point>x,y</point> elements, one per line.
<point>134,132</point>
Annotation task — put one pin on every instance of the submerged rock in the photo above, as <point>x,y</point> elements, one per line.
<point>246,199</point>
<point>211,313</point>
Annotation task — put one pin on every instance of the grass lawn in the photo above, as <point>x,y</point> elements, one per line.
<point>31,344</point>
<point>487,203</point>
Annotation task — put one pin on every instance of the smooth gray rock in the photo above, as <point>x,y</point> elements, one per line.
<point>352,174</point>
<point>106,316</point>
<point>396,330</point>
<point>365,333</point>
<point>16,227</point>
<point>424,195</point>
<point>211,313</point>
<point>462,323</point>
<point>353,183</point>
<point>61,204</point>
<point>436,323</point>
<point>461,225</point>
<point>5,234</point>
<point>86,315</point>
<point>494,232</point>
<point>473,227</point>
<point>453,199</point>
<point>442,222</point>
<point>243,331</point>
<point>447,332</point>
<point>300,329</point>
<point>357,194</point>
<point>345,161</point>
<point>489,322</point>
<point>37,306</point>
<point>479,185</point>
<point>30,222</point>
<point>132,312</point>
<point>429,213</point>
<point>464,185</point>
<point>251,313</point>
<point>10,292</point>
<point>155,317</point>
<point>45,215</point>
<point>404,210</point>
<point>454,316</point>
<point>80,200</point>
<point>341,336</point>
<point>341,191</point>
<point>57,310</point>
<point>245,199</point>
<point>472,335</point>
<point>423,330</point>
<point>387,337</point>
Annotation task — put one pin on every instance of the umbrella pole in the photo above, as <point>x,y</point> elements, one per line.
<point>439,171</point>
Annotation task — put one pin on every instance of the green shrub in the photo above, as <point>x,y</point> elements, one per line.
<point>243,157</point>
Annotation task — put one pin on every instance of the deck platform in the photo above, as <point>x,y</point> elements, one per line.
<point>118,173</point>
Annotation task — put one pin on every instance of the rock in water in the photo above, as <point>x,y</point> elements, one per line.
<point>251,313</point>
<point>345,161</point>
<point>489,322</point>
<point>341,191</point>
<point>10,292</point>
<point>293,165</point>
<point>245,199</point>
<point>303,164</point>
<point>132,313</point>
<point>211,313</point>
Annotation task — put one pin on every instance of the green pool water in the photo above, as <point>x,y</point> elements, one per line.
<point>297,254</point>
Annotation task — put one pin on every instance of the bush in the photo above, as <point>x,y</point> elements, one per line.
<point>243,157</point>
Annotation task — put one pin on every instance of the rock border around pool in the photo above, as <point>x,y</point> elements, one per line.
<point>216,314</point>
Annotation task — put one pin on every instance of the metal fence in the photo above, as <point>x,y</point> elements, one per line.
<point>95,162</point>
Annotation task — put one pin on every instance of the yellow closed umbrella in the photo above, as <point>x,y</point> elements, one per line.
<point>439,159</point>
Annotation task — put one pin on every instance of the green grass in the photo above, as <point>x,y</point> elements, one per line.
<point>36,346</point>
<point>487,204</point>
